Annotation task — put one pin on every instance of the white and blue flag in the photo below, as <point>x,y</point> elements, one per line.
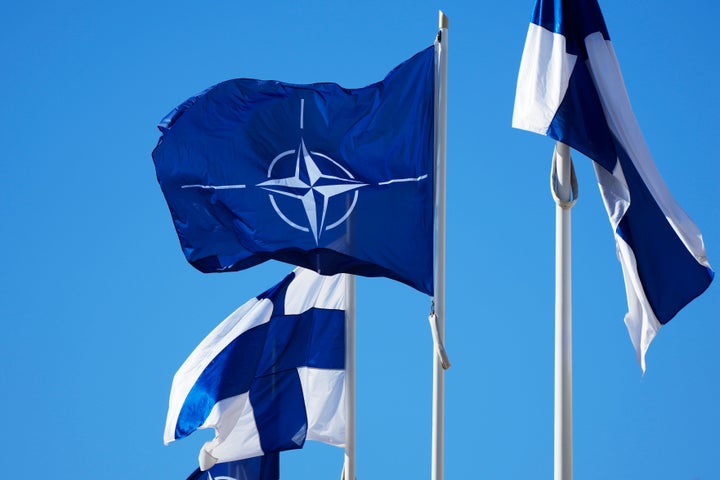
<point>270,376</point>
<point>266,467</point>
<point>570,88</point>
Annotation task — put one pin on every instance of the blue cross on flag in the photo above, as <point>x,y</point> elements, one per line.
<point>266,467</point>
<point>270,376</point>
<point>570,88</point>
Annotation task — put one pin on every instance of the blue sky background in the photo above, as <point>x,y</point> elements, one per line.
<point>99,307</point>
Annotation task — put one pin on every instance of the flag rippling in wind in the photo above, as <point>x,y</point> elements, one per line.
<point>266,467</point>
<point>270,376</point>
<point>332,179</point>
<point>570,88</point>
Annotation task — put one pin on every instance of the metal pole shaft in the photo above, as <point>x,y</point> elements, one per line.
<point>350,408</point>
<point>438,403</point>
<point>563,316</point>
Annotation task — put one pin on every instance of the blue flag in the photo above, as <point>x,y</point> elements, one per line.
<point>266,467</point>
<point>331,179</point>
<point>270,376</point>
<point>570,88</point>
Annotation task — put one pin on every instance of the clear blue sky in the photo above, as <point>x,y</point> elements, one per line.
<point>99,307</point>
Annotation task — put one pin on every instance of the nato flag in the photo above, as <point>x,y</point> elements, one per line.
<point>332,179</point>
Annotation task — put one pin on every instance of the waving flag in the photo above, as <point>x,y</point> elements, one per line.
<point>266,467</point>
<point>331,179</point>
<point>270,376</point>
<point>571,89</point>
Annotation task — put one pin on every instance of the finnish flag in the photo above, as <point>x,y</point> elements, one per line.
<point>570,88</point>
<point>266,467</point>
<point>270,376</point>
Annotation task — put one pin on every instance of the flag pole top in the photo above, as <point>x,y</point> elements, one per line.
<point>442,20</point>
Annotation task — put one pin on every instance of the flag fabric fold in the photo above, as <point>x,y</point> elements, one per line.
<point>570,88</point>
<point>270,376</point>
<point>332,179</point>
<point>266,467</point>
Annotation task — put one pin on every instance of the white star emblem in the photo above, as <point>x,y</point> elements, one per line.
<point>313,188</point>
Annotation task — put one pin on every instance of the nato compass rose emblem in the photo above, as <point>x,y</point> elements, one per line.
<point>311,186</point>
<point>312,179</point>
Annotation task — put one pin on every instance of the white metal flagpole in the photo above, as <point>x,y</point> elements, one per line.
<point>564,189</point>
<point>438,318</point>
<point>350,409</point>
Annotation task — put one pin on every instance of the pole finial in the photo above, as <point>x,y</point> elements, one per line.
<point>443,21</point>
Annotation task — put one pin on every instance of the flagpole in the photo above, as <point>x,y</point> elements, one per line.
<point>350,402</point>
<point>438,402</point>
<point>564,190</point>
